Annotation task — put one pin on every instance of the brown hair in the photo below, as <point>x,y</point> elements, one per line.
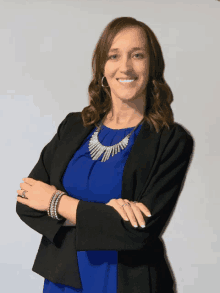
<point>158,112</point>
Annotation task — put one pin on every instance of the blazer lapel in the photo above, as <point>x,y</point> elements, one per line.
<point>137,167</point>
<point>65,151</point>
<point>139,163</point>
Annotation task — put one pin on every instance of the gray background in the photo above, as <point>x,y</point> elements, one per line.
<point>45,70</point>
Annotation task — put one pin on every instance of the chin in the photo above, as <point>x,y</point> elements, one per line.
<point>126,97</point>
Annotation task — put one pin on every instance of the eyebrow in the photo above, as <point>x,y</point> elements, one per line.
<point>133,49</point>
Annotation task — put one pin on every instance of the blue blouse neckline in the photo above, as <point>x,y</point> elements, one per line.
<point>117,129</point>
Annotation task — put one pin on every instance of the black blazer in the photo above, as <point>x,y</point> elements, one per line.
<point>154,174</point>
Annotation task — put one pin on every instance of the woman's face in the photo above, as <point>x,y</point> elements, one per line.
<point>128,63</point>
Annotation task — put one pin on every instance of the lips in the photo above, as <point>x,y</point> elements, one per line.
<point>126,78</point>
<point>123,81</point>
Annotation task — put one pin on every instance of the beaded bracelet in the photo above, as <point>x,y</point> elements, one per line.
<point>48,210</point>
<point>56,205</point>
<point>52,211</point>
<point>52,205</point>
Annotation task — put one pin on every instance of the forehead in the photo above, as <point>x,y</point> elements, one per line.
<point>129,37</point>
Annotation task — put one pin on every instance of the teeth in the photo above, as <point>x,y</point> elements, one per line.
<point>126,80</point>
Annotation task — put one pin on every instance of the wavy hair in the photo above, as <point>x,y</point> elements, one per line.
<point>158,112</point>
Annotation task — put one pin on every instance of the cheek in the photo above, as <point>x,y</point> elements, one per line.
<point>145,73</point>
<point>111,69</point>
<point>144,68</point>
<point>108,68</point>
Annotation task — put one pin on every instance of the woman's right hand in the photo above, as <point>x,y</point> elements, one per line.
<point>131,212</point>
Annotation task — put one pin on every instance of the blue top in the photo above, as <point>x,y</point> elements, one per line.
<point>95,181</point>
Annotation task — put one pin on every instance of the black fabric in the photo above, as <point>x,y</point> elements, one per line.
<point>154,174</point>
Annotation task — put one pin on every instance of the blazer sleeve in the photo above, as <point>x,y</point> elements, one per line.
<point>101,227</point>
<point>39,220</point>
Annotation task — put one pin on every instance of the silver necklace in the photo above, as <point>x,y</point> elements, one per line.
<point>96,148</point>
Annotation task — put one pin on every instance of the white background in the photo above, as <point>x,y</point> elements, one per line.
<point>45,70</point>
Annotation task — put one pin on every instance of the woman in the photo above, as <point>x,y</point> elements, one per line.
<point>92,185</point>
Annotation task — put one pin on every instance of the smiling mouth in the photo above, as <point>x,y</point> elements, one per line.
<point>126,81</point>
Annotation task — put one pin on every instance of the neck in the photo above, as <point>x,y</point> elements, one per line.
<point>123,117</point>
<point>126,112</point>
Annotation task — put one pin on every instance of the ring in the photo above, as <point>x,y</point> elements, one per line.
<point>23,194</point>
<point>126,204</point>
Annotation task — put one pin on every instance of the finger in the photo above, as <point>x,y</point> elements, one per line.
<point>134,214</point>
<point>24,186</point>
<point>29,181</point>
<point>19,191</point>
<point>117,204</point>
<point>22,200</point>
<point>138,215</point>
<point>129,211</point>
<point>143,208</point>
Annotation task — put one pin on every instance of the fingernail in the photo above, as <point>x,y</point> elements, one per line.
<point>143,226</point>
<point>149,215</point>
<point>135,226</point>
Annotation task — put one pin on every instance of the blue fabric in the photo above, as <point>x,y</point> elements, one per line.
<point>96,181</point>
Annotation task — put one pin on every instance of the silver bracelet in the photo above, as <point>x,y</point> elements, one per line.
<point>52,210</point>
<point>52,205</point>
<point>49,209</point>
<point>56,205</point>
<point>53,202</point>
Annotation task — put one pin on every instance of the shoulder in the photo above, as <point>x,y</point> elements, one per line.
<point>68,122</point>
<point>73,116</point>
<point>71,119</point>
<point>176,139</point>
<point>176,132</point>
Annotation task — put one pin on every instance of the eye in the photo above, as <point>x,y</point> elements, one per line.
<point>139,54</point>
<point>110,57</point>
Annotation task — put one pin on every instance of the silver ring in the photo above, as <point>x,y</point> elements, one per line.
<point>128,203</point>
<point>125,204</point>
<point>23,194</point>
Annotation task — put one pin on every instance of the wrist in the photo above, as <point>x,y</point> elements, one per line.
<point>61,207</point>
<point>67,208</point>
<point>54,202</point>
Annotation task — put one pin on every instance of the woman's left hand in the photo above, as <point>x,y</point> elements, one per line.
<point>37,192</point>
<point>133,211</point>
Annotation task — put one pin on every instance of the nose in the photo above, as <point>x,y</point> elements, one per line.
<point>126,64</point>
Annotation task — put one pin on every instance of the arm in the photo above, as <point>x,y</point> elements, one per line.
<point>100,227</point>
<point>67,209</point>
<point>39,220</point>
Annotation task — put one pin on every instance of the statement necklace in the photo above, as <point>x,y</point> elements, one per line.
<point>96,148</point>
